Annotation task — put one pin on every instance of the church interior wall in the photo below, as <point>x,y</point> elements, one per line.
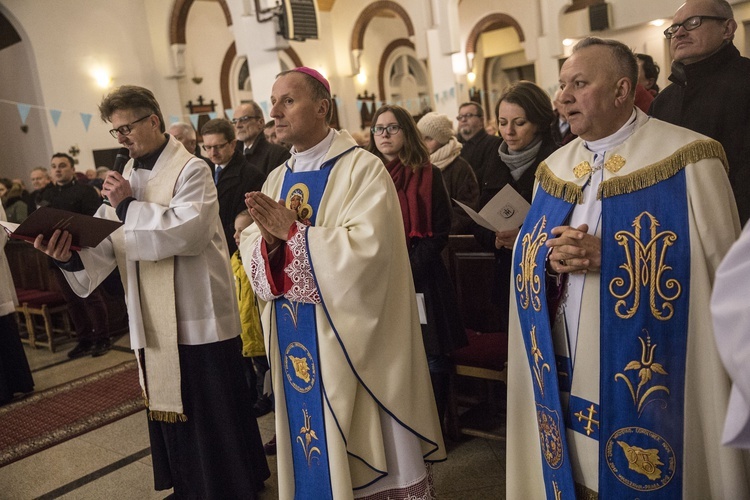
<point>64,41</point>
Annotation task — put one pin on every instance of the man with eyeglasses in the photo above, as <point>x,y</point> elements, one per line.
<point>182,310</point>
<point>709,91</point>
<point>480,150</point>
<point>249,124</point>
<point>327,257</point>
<point>233,175</point>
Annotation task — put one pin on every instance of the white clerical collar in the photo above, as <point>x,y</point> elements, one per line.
<point>601,145</point>
<point>312,159</point>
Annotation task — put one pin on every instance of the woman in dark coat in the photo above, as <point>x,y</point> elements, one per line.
<point>524,116</point>
<point>426,211</point>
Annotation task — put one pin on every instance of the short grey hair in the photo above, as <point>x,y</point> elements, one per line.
<point>185,128</point>
<point>626,63</point>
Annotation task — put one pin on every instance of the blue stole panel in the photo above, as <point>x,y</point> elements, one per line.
<point>644,309</point>
<point>300,360</point>
<point>529,278</point>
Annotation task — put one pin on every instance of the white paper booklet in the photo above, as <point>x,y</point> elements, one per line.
<point>505,211</point>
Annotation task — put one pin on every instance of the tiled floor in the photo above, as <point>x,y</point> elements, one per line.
<point>114,461</point>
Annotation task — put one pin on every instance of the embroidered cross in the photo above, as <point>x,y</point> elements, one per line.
<point>590,419</point>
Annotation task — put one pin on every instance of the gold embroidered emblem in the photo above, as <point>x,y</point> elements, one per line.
<point>583,168</point>
<point>537,354</point>
<point>645,266</point>
<point>614,163</point>
<point>309,434</point>
<point>651,461</point>
<point>646,368</point>
<point>642,461</point>
<point>589,419</point>
<point>528,283</point>
<point>549,436</point>
<point>301,368</point>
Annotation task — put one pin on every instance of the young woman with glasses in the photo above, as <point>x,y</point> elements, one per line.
<point>426,212</point>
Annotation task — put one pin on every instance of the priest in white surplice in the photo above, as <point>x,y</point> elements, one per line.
<point>355,412</point>
<point>616,388</point>
<point>182,311</point>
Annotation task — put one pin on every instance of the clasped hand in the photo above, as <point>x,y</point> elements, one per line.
<point>273,218</point>
<point>58,246</point>
<point>574,250</point>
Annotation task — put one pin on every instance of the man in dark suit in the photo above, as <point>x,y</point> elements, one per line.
<point>248,122</point>
<point>233,175</point>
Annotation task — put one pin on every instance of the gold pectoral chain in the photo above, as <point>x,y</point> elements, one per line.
<point>645,266</point>
<point>528,283</point>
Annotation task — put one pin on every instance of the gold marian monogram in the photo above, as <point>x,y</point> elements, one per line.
<point>613,164</point>
<point>589,419</point>
<point>309,435</point>
<point>537,354</point>
<point>528,283</point>
<point>646,368</point>
<point>645,267</point>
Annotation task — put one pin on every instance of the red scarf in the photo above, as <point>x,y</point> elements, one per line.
<point>415,197</point>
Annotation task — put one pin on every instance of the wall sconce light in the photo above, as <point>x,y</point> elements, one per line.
<point>568,42</point>
<point>471,77</point>
<point>102,77</point>
<point>197,80</point>
<point>657,22</point>
<point>361,76</point>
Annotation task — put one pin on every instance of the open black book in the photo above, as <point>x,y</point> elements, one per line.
<point>87,231</point>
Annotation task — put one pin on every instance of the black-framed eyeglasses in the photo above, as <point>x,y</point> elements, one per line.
<point>467,116</point>
<point>391,129</point>
<point>690,24</point>
<point>245,119</point>
<point>126,129</point>
<point>216,147</point>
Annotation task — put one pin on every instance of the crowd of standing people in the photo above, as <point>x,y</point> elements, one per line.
<point>317,265</point>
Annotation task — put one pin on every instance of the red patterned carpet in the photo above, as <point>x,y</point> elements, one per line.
<point>50,417</point>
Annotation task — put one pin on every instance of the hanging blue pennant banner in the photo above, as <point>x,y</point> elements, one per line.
<point>173,119</point>
<point>23,110</point>
<point>86,119</point>
<point>264,105</point>
<point>212,115</point>
<point>194,120</point>
<point>55,114</point>
<point>230,114</point>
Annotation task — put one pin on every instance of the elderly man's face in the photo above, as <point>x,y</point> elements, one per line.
<point>296,114</point>
<point>688,47</point>
<point>589,93</point>
<point>186,140</point>
<point>39,179</point>
<point>247,123</point>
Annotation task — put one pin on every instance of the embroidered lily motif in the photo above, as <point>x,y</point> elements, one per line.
<point>309,435</point>
<point>537,354</point>
<point>646,368</point>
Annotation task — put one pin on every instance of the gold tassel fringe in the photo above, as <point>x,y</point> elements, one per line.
<point>170,417</point>
<point>664,169</point>
<point>554,186</point>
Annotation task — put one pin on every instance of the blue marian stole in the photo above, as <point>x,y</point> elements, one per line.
<point>298,348</point>
<point>639,421</point>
